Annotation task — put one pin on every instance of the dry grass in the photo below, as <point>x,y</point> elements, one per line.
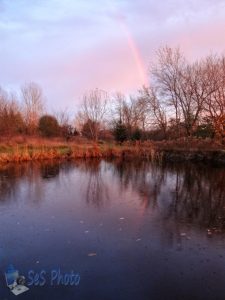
<point>45,149</point>
<point>20,149</point>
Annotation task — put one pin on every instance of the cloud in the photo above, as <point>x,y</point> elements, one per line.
<point>71,46</point>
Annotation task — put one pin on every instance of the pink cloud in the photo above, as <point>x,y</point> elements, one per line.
<point>86,47</point>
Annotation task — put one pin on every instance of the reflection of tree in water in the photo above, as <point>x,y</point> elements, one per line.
<point>50,170</point>
<point>97,189</point>
<point>10,175</point>
<point>180,192</point>
<point>194,193</point>
<point>14,177</point>
<point>143,177</point>
<point>199,195</point>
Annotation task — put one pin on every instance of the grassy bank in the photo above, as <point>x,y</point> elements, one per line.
<point>59,150</point>
<point>18,150</point>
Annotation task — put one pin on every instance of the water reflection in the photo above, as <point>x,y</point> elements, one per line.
<point>145,178</point>
<point>96,187</point>
<point>199,195</point>
<point>186,192</point>
<point>49,171</point>
<point>11,176</point>
<point>180,192</point>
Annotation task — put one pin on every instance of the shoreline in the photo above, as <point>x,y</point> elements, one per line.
<point>216,157</point>
<point>146,150</point>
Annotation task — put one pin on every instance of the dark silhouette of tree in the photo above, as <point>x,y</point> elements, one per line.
<point>48,126</point>
<point>120,132</point>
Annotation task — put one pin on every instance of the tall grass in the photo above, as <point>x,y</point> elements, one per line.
<point>35,150</point>
<point>19,153</point>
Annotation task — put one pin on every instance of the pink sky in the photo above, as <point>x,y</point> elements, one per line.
<point>69,47</point>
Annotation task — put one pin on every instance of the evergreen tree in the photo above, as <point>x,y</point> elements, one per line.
<point>120,132</point>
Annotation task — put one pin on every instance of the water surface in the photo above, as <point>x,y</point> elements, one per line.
<point>132,230</point>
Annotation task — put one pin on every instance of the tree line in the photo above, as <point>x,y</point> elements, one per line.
<point>183,99</point>
<point>26,114</point>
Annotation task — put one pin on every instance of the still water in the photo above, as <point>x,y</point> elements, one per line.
<point>131,230</point>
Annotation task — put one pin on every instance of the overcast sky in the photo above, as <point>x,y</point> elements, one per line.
<point>71,46</point>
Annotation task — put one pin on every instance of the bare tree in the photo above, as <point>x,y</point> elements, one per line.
<point>165,75</point>
<point>185,86</point>
<point>155,108</point>
<point>214,106</point>
<point>142,114</point>
<point>131,112</point>
<point>11,121</point>
<point>117,107</point>
<point>93,111</point>
<point>33,105</point>
<point>66,127</point>
<point>62,117</point>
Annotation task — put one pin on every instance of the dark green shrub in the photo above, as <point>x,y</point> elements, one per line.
<point>48,126</point>
<point>120,132</point>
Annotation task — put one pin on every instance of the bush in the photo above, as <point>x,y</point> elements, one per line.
<point>48,126</point>
<point>120,132</point>
<point>205,131</point>
<point>136,135</point>
<point>68,132</point>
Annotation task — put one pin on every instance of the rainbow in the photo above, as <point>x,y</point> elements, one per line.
<point>135,53</point>
<point>131,44</point>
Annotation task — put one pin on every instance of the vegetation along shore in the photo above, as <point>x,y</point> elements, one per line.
<point>45,149</point>
<point>180,116</point>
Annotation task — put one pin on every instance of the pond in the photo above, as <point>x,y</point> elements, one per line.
<point>125,230</point>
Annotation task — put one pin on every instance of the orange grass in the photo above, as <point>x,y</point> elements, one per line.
<point>20,149</point>
<point>58,150</point>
